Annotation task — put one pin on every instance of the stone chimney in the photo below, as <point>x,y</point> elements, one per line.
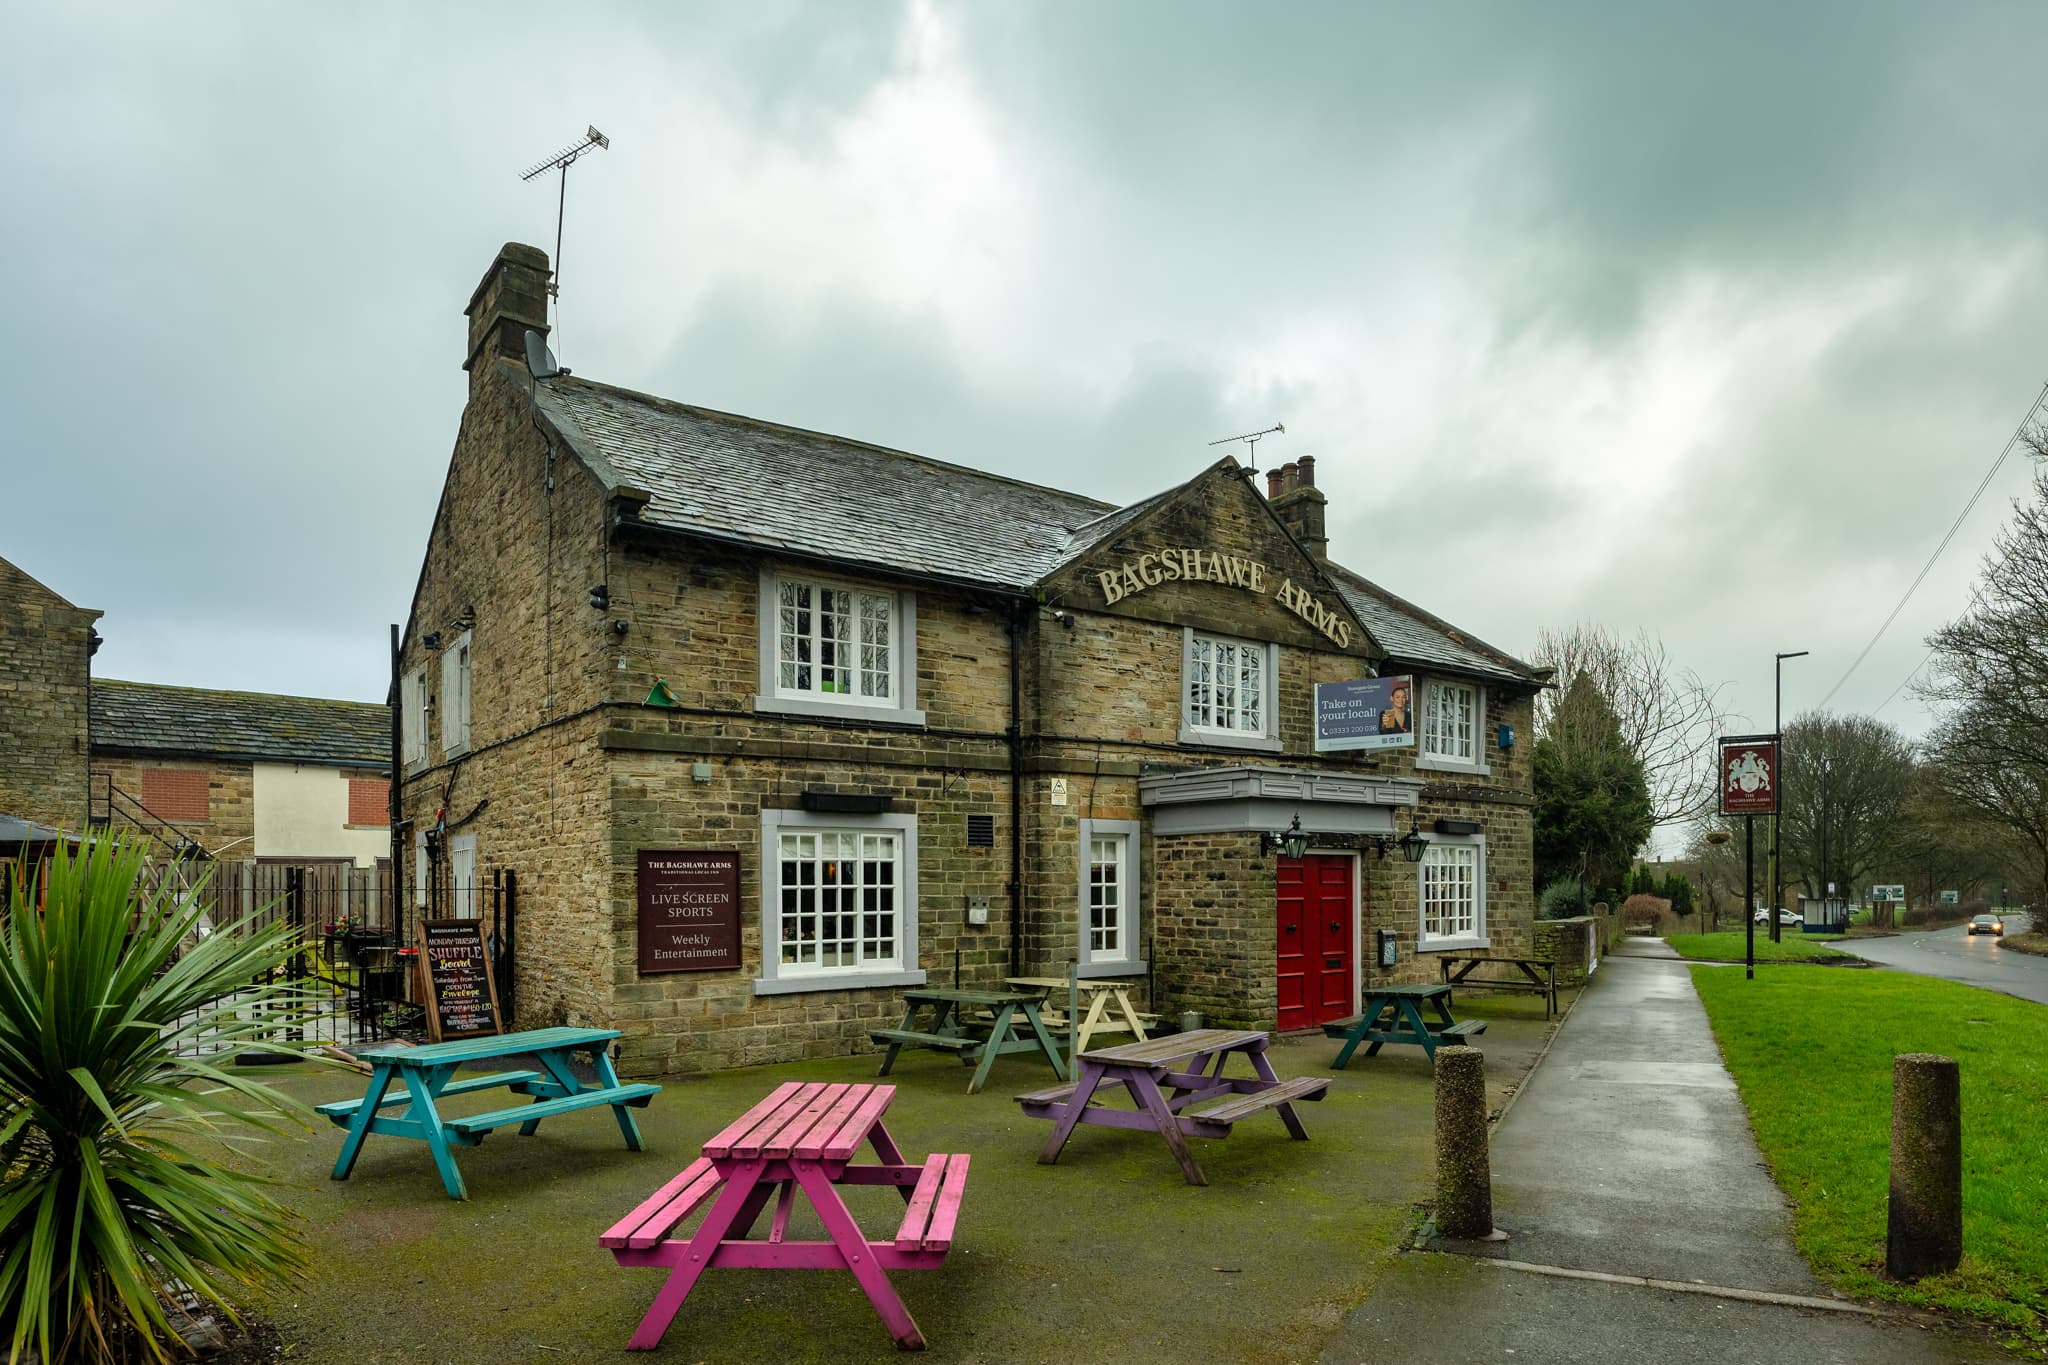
<point>1291,491</point>
<point>512,297</point>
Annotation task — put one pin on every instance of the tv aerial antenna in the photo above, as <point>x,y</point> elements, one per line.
<point>562,161</point>
<point>1251,441</point>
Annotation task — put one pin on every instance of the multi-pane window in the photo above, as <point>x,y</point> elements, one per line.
<point>1226,685</point>
<point>1453,891</point>
<point>413,718</point>
<point>1108,890</point>
<point>835,641</point>
<point>455,696</point>
<point>1450,722</point>
<point>841,907</point>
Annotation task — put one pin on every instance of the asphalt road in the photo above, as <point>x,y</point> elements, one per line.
<point>1954,954</point>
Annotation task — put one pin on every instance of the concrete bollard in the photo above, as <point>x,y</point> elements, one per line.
<point>1924,1221</point>
<point>1464,1176</point>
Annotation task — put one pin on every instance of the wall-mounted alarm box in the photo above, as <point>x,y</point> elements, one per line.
<point>977,910</point>
<point>1507,737</point>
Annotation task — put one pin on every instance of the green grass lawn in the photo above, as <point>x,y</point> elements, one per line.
<point>1812,1053</point>
<point>1726,946</point>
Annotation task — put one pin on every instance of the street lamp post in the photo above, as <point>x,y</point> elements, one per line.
<point>1778,820</point>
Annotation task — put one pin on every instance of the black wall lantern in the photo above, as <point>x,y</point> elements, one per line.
<point>1292,842</point>
<point>1412,845</point>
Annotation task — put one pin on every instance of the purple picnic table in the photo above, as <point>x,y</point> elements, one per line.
<point>804,1135</point>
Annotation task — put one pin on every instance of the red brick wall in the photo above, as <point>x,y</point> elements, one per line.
<point>369,801</point>
<point>175,793</point>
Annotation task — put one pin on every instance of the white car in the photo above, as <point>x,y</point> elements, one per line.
<point>1784,917</point>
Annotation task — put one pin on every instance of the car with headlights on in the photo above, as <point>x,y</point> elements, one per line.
<point>1987,924</point>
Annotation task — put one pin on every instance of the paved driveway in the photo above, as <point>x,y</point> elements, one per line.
<point>1954,954</point>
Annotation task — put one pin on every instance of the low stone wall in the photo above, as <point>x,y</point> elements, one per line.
<point>1570,943</point>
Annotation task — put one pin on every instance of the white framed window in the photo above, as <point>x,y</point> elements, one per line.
<point>1109,898</point>
<point>1453,729</point>
<point>1229,691</point>
<point>830,648</point>
<point>455,696</point>
<point>412,717</point>
<point>838,901</point>
<point>1452,891</point>
<point>463,899</point>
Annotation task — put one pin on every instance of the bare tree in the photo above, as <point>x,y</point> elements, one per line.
<point>1990,674</point>
<point>1847,783</point>
<point>1669,716</point>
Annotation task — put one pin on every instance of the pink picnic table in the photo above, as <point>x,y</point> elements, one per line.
<point>803,1136</point>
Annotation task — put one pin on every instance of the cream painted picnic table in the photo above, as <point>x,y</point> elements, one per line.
<point>1109,1005</point>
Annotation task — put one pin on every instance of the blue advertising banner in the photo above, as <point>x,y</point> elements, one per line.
<point>1365,713</point>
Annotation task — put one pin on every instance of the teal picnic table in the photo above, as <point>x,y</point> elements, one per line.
<point>1393,1014</point>
<point>951,1021</point>
<point>429,1076</point>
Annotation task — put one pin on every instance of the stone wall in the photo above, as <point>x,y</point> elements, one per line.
<point>43,686</point>
<point>230,824</point>
<point>1570,943</point>
<point>1213,900</point>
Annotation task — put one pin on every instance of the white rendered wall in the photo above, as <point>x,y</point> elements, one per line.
<point>302,812</point>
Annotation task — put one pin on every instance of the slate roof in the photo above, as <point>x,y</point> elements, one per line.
<point>711,473</point>
<point>14,831</point>
<point>738,479</point>
<point>149,718</point>
<point>1411,635</point>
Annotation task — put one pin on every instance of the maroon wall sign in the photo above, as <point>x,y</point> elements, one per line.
<point>689,910</point>
<point>1749,775</point>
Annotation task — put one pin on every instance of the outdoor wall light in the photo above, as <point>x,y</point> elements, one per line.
<point>1292,841</point>
<point>1412,844</point>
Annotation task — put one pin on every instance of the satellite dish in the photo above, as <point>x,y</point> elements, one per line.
<point>540,361</point>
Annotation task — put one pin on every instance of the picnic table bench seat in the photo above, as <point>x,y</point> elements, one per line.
<point>474,1125</point>
<point>1464,1028</point>
<point>934,1204</point>
<point>1257,1101</point>
<point>943,1042</point>
<point>341,1111</point>
<point>1534,976</point>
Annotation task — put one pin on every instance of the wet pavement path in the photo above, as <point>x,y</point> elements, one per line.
<point>1628,1157</point>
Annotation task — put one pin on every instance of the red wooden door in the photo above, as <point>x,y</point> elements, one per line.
<point>1315,941</point>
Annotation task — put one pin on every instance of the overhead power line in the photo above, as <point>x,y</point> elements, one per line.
<point>1954,526</point>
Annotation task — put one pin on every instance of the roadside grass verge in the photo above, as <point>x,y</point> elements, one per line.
<point>1812,1056</point>
<point>1726,946</point>
<point>2035,943</point>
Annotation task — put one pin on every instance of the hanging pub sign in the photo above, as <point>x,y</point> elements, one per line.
<point>1365,713</point>
<point>457,984</point>
<point>1749,775</point>
<point>689,910</point>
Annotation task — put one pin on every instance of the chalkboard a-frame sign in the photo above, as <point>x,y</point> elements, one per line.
<point>460,990</point>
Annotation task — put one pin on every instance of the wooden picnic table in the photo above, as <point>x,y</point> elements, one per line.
<point>1191,1065</point>
<point>1538,976</point>
<point>1393,1014</point>
<point>429,1075</point>
<point>1109,1005</point>
<point>804,1135</point>
<point>950,1024</point>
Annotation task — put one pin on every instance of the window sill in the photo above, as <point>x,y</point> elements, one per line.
<point>1102,969</point>
<point>836,981</point>
<point>1230,739</point>
<point>384,825</point>
<point>456,750</point>
<point>839,710</point>
<point>1430,764</point>
<point>1452,945</point>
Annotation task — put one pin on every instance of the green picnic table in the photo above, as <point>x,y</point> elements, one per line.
<point>428,1075</point>
<point>1393,1014</point>
<point>949,1021</point>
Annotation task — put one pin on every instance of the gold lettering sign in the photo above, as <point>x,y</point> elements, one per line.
<point>1188,564</point>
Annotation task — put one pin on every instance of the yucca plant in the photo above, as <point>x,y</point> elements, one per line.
<point>118,1022</point>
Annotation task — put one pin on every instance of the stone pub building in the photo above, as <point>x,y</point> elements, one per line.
<point>772,724</point>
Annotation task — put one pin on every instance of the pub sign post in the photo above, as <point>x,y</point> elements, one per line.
<point>1748,777</point>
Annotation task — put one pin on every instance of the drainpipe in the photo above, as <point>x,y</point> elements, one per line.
<point>1015,734</point>
<point>397,789</point>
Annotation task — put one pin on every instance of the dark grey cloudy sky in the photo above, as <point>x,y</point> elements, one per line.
<point>1699,319</point>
